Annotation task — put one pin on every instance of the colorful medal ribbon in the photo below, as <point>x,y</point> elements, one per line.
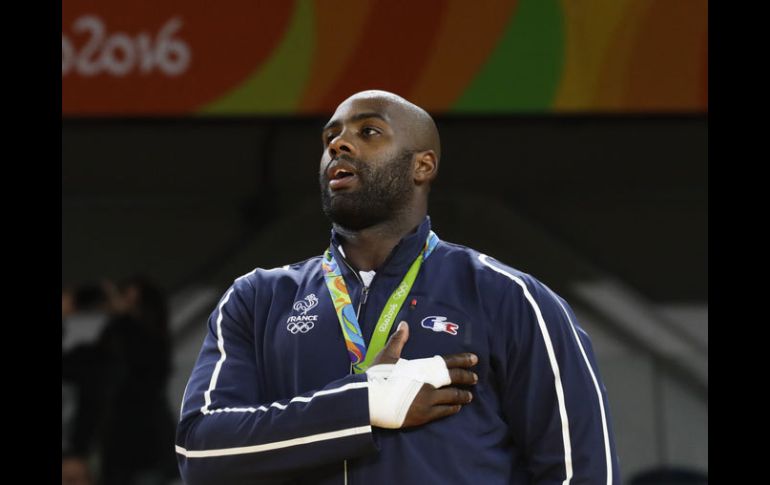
<point>360,356</point>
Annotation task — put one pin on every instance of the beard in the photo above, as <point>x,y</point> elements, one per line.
<point>383,193</point>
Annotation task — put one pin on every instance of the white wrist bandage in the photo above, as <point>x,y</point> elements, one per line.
<point>380,370</point>
<point>392,388</point>
<point>431,371</point>
<point>389,399</point>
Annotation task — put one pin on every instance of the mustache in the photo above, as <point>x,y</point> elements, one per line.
<point>356,163</point>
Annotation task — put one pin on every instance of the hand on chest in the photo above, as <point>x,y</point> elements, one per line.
<point>435,327</point>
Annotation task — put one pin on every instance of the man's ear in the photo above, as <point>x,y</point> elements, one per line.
<point>425,167</point>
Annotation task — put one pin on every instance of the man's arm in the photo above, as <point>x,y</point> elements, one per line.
<point>553,395</point>
<point>229,434</point>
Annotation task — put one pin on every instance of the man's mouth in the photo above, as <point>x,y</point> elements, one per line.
<point>340,177</point>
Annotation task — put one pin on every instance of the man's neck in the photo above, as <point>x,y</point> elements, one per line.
<point>368,248</point>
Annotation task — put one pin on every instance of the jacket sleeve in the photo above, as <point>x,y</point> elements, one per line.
<point>553,396</point>
<point>229,433</point>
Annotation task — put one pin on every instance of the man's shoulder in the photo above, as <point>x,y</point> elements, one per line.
<point>487,269</point>
<point>498,281</point>
<point>476,260</point>
<point>293,271</point>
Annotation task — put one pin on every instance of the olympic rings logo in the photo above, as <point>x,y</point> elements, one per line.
<point>299,327</point>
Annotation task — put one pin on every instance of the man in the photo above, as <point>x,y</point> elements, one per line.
<point>515,397</point>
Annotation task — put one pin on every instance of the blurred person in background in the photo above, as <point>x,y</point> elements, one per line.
<point>75,470</point>
<point>125,419</point>
<point>85,312</point>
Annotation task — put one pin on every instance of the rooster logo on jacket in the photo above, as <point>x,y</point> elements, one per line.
<point>307,304</point>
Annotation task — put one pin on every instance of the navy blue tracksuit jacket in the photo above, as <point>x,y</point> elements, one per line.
<point>271,398</point>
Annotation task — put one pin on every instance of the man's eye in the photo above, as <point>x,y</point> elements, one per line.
<point>329,137</point>
<point>369,131</point>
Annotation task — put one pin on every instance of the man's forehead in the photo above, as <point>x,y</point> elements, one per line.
<point>361,104</point>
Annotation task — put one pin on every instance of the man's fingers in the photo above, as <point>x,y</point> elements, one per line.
<point>395,344</point>
<point>430,404</point>
<point>463,377</point>
<point>465,359</point>
<point>451,396</point>
<point>397,341</point>
<point>443,410</point>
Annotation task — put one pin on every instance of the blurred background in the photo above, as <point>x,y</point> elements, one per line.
<point>575,148</point>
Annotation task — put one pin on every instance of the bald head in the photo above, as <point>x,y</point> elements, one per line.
<point>380,158</point>
<point>422,134</point>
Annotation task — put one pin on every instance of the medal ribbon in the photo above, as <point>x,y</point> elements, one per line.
<point>360,356</point>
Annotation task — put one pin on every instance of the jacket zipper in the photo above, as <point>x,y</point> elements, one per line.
<point>361,302</point>
<point>364,290</point>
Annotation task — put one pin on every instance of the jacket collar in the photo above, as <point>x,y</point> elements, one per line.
<point>401,257</point>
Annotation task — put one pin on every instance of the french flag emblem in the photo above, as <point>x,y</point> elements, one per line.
<point>439,324</point>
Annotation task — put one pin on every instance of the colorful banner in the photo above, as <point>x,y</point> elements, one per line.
<point>226,58</point>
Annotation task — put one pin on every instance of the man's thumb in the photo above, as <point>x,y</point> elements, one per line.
<point>397,341</point>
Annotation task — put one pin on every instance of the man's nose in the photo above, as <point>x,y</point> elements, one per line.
<point>340,145</point>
